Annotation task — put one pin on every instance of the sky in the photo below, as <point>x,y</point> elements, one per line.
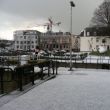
<point>27,14</point>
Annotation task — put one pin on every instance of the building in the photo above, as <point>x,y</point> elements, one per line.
<point>92,38</point>
<point>93,43</point>
<point>26,39</point>
<point>7,44</point>
<point>58,41</point>
<point>95,31</point>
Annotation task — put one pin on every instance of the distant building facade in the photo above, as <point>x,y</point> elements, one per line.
<point>9,44</point>
<point>26,39</point>
<point>58,41</point>
<point>92,38</point>
<point>93,43</point>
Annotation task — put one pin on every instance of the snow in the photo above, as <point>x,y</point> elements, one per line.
<point>91,59</point>
<point>80,89</point>
<point>97,59</point>
<point>88,59</point>
<point>102,49</point>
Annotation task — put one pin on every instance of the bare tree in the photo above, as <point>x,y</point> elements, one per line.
<point>102,15</point>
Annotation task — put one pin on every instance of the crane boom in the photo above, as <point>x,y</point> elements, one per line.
<point>49,24</point>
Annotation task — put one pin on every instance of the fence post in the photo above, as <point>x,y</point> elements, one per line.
<point>109,63</point>
<point>41,73</point>
<point>56,66</point>
<point>20,73</point>
<point>49,68</point>
<point>53,66</point>
<point>75,63</point>
<point>1,80</point>
<point>86,63</point>
<point>97,63</point>
<point>32,75</point>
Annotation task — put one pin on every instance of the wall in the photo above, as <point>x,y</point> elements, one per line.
<point>92,43</point>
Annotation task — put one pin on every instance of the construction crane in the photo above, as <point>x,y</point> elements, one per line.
<point>48,25</point>
<point>51,23</point>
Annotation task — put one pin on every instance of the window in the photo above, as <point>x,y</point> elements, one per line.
<point>64,46</point>
<point>21,42</point>
<point>17,42</point>
<point>24,42</point>
<point>97,39</point>
<point>53,45</point>
<point>97,47</point>
<point>28,42</point>
<point>32,42</point>
<point>103,40</point>
<point>36,41</point>
<point>28,47</point>
<point>95,33</point>
<point>32,46</point>
<point>57,46</point>
<point>88,34</point>
<point>25,47</point>
<point>17,46</point>
<point>21,47</point>
<point>24,37</point>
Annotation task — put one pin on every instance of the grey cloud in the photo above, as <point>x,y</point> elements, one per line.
<point>20,12</point>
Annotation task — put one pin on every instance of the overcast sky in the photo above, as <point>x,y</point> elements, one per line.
<point>18,14</point>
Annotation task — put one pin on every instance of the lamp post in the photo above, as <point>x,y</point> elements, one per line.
<point>72,5</point>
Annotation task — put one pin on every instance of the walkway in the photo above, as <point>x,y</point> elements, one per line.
<point>81,89</point>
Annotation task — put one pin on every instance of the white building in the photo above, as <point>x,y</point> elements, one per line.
<point>94,37</point>
<point>92,43</point>
<point>26,39</point>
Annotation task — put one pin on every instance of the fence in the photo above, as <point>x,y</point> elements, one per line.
<point>97,62</point>
<point>83,61</point>
<point>11,79</point>
<point>15,73</point>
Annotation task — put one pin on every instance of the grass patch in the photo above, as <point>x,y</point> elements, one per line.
<point>107,53</point>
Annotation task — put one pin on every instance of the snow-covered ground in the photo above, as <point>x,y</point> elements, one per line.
<point>97,59</point>
<point>81,89</point>
<point>90,59</point>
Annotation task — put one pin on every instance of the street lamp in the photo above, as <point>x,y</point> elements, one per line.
<point>72,5</point>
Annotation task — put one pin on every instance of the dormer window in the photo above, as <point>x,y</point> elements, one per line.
<point>95,33</point>
<point>88,33</point>
<point>103,41</point>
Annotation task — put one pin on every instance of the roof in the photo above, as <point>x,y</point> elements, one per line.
<point>96,31</point>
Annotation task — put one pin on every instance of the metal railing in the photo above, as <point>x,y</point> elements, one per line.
<point>97,62</point>
<point>24,74</point>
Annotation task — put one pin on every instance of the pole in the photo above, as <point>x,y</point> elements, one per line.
<point>72,5</point>
<point>71,39</point>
